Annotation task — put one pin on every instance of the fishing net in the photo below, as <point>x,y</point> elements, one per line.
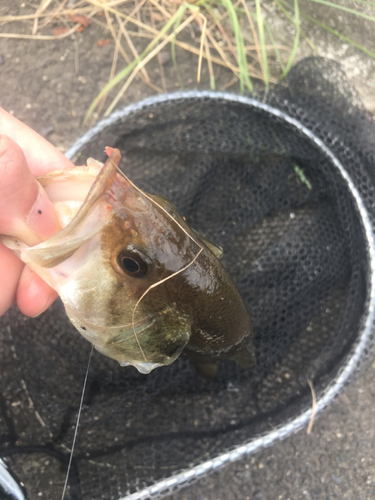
<point>285,184</point>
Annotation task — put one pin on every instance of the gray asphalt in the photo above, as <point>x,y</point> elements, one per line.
<point>335,461</point>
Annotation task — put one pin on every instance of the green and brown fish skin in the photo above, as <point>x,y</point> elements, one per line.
<point>135,279</point>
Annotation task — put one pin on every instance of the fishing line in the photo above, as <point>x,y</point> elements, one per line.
<point>77,424</point>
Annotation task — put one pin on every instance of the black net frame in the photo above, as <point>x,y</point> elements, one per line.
<point>143,437</point>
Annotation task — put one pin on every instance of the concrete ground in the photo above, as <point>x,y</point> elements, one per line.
<point>50,85</point>
<point>336,461</point>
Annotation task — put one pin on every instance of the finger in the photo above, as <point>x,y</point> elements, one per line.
<point>40,154</point>
<point>34,296</point>
<point>25,210</point>
<point>10,272</point>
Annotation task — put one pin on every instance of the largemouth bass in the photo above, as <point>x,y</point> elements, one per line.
<point>135,279</point>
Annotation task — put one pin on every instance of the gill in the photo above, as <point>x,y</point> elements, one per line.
<point>154,285</point>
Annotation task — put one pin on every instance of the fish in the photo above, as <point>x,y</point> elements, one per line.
<point>136,281</point>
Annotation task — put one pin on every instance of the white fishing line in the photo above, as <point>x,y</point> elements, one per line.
<point>77,424</point>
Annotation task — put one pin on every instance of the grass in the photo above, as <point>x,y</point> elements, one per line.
<point>296,22</point>
<point>236,34</point>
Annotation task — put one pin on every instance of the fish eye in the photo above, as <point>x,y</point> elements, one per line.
<point>130,265</point>
<point>133,263</point>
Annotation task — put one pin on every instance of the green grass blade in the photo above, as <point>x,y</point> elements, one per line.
<point>124,72</point>
<point>241,51</point>
<point>212,82</point>
<point>277,52</point>
<point>262,41</point>
<point>296,22</point>
<point>346,9</point>
<point>301,174</point>
<point>302,33</point>
<point>340,35</point>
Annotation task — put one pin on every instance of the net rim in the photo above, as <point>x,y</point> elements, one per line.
<point>175,482</point>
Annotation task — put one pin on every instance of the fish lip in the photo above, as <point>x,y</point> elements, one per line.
<point>101,185</point>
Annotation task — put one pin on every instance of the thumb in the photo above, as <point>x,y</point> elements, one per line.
<point>25,210</point>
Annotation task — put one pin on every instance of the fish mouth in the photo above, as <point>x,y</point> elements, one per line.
<point>90,218</point>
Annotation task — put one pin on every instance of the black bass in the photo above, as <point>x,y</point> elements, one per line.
<point>135,279</point>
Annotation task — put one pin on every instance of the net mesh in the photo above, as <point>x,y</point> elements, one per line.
<point>294,245</point>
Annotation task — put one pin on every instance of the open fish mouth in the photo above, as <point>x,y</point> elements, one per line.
<point>81,218</point>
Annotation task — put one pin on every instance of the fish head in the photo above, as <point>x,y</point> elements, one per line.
<point>112,263</point>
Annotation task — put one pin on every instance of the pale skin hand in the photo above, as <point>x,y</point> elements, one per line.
<point>25,211</point>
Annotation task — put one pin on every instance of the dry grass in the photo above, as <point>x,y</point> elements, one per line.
<point>211,30</point>
<point>218,32</point>
<point>313,407</point>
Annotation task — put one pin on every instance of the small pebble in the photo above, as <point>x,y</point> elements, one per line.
<point>337,480</point>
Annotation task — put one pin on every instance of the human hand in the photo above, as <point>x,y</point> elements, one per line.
<point>25,211</point>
